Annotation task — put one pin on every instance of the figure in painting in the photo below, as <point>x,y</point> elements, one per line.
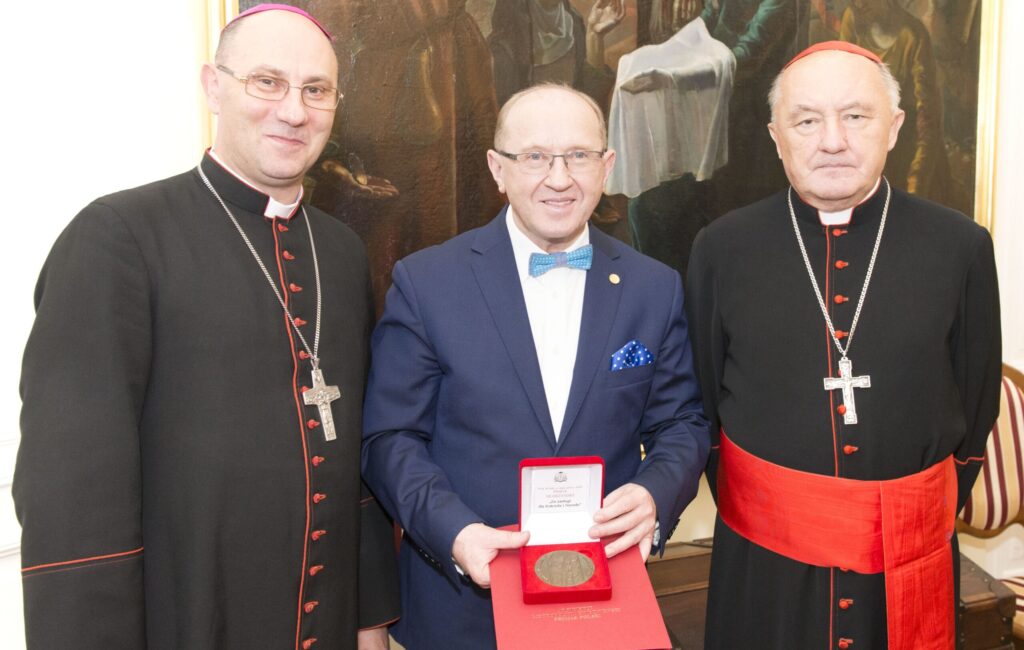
<point>537,41</point>
<point>669,124</point>
<point>403,165</point>
<point>918,164</point>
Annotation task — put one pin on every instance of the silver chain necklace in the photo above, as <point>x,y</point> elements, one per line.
<point>320,394</point>
<point>846,381</point>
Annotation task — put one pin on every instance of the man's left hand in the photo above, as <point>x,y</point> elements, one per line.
<point>374,639</point>
<point>629,510</point>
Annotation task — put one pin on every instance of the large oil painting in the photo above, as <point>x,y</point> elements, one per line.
<point>684,83</point>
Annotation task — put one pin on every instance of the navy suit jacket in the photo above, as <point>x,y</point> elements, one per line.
<point>455,400</point>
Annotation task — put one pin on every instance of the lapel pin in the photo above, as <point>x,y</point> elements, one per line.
<point>614,278</point>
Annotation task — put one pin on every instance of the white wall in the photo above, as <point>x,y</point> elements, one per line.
<point>100,96</point>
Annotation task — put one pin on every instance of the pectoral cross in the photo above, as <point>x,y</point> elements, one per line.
<point>847,382</point>
<point>321,395</point>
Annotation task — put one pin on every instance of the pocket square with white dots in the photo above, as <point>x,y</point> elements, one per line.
<point>631,355</point>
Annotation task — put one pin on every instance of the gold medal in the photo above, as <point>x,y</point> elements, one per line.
<point>564,568</point>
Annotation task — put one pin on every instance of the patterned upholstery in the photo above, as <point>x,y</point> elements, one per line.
<point>995,502</point>
<point>997,497</point>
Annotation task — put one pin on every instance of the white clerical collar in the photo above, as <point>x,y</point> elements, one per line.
<point>275,209</point>
<point>523,246</point>
<point>843,217</point>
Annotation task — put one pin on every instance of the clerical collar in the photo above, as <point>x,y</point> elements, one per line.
<point>842,217</point>
<point>237,190</point>
<point>523,246</point>
<point>868,210</point>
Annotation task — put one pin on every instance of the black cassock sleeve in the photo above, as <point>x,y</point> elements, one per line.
<point>378,565</point>
<point>976,354</point>
<point>708,340</point>
<point>77,483</point>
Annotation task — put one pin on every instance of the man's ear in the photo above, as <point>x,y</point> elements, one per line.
<point>494,164</point>
<point>894,128</point>
<point>211,87</point>
<point>775,138</point>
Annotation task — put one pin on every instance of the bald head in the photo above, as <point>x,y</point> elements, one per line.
<point>266,16</point>
<point>537,96</point>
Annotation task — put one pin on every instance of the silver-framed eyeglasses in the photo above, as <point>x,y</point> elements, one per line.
<point>540,162</point>
<point>263,86</point>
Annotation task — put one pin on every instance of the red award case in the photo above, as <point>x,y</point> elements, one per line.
<point>557,501</point>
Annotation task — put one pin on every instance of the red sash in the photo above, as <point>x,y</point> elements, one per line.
<point>901,527</point>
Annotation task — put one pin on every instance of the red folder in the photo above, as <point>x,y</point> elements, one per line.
<point>631,620</point>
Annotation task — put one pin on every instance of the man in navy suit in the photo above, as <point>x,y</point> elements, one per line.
<point>532,336</point>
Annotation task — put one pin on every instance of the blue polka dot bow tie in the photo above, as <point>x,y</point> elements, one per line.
<point>632,355</point>
<point>581,258</point>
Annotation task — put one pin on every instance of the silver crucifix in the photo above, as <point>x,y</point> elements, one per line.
<point>321,395</point>
<point>847,382</point>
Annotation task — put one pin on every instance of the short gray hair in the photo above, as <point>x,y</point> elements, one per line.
<point>499,126</point>
<point>892,88</point>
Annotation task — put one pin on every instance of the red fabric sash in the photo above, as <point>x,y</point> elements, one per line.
<point>901,527</point>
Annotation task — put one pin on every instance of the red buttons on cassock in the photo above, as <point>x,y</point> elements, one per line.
<point>317,534</point>
<point>840,334</point>
<point>850,449</point>
<point>304,389</point>
<point>303,355</point>
<point>299,322</point>
<point>318,497</point>
<point>308,643</point>
<point>288,256</point>
<point>281,227</point>
<point>312,424</point>
<point>836,232</point>
<point>840,299</point>
<point>845,643</point>
<point>310,606</point>
<point>313,570</point>
<point>294,288</point>
<point>840,264</point>
<point>317,460</point>
<point>841,409</point>
<point>844,603</point>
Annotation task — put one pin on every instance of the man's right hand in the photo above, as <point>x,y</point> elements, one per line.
<point>476,545</point>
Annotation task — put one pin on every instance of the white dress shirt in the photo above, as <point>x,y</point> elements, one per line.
<point>554,304</point>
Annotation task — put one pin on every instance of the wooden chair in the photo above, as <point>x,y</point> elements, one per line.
<point>997,500</point>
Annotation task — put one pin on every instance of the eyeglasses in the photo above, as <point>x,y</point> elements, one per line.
<point>539,162</point>
<point>261,86</point>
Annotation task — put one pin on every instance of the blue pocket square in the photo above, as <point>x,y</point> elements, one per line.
<point>632,355</point>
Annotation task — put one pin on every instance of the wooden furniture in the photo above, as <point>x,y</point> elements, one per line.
<point>680,580</point>
<point>985,612</point>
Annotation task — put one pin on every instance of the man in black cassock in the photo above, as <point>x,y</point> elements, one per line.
<point>188,475</point>
<point>819,402</point>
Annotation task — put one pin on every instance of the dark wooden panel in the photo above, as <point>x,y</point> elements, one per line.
<point>680,580</point>
<point>985,610</point>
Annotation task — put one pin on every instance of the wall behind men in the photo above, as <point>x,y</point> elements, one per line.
<point>97,97</point>
<point>105,96</point>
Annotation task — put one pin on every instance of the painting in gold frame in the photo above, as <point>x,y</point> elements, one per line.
<point>427,144</point>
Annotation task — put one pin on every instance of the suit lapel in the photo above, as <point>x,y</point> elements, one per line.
<point>600,304</point>
<point>494,266</point>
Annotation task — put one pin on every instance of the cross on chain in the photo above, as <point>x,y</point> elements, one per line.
<point>847,382</point>
<point>321,395</point>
